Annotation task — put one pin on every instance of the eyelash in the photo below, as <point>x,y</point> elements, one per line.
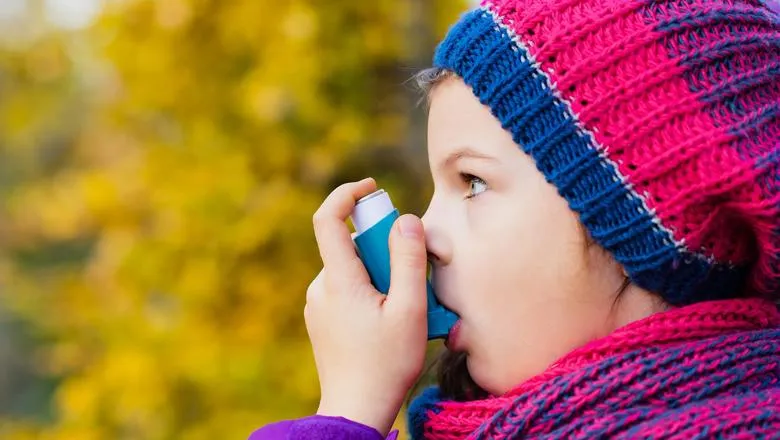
<point>468,179</point>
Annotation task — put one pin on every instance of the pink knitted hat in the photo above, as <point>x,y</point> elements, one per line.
<point>656,120</point>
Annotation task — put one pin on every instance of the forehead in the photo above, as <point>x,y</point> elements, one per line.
<point>457,119</point>
<point>452,99</point>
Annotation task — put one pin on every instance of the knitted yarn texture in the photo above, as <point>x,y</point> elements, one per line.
<point>656,120</point>
<point>708,370</point>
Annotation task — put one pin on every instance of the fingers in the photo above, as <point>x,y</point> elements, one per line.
<point>315,287</point>
<point>408,266</point>
<point>330,229</point>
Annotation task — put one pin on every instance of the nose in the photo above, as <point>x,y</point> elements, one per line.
<point>436,242</point>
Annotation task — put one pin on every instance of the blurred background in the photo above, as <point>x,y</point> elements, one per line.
<point>160,163</point>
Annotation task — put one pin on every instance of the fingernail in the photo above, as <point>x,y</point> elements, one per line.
<point>410,226</point>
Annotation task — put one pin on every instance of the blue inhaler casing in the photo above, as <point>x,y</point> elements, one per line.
<point>373,218</point>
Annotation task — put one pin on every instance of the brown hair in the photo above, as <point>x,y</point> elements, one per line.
<point>427,79</point>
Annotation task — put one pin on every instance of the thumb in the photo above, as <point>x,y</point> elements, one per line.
<point>408,266</point>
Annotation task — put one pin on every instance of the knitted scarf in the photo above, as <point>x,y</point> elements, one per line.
<point>708,370</point>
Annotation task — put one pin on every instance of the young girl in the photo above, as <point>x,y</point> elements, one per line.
<point>605,222</point>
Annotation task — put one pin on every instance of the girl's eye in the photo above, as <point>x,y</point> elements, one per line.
<point>476,185</point>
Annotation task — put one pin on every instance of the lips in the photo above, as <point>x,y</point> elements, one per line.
<point>452,338</point>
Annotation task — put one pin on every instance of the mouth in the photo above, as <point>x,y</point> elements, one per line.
<point>452,338</point>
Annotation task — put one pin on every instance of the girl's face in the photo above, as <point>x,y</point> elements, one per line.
<point>508,254</point>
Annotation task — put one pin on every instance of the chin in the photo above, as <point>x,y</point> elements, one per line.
<point>491,379</point>
<point>481,376</point>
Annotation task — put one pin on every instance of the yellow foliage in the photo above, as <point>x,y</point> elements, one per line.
<point>156,227</point>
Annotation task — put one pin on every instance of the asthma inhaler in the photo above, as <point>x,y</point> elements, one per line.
<point>373,217</point>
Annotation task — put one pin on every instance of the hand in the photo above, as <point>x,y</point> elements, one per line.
<point>369,348</point>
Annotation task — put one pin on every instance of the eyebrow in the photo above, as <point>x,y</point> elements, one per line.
<point>462,153</point>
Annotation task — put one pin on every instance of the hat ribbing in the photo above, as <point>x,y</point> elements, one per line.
<point>656,120</point>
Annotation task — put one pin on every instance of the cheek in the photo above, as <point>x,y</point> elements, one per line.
<point>524,299</point>
<point>520,253</point>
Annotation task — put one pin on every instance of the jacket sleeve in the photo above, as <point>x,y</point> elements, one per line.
<point>319,428</point>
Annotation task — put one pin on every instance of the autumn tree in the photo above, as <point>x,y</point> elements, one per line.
<point>156,227</point>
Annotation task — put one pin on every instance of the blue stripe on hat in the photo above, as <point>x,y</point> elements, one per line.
<point>505,77</point>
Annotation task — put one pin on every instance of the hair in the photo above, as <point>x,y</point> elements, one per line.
<point>452,374</point>
<point>427,79</point>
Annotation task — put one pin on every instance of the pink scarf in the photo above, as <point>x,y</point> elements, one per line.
<point>699,371</point>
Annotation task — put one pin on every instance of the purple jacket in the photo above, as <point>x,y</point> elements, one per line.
<point>319,428</point>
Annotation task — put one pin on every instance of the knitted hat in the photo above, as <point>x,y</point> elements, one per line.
<point>656,120</point>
